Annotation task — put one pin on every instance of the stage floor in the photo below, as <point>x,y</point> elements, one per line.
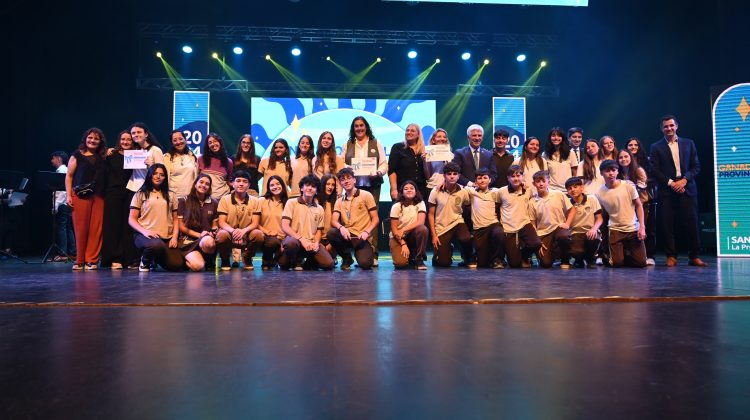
<point>445,343</point>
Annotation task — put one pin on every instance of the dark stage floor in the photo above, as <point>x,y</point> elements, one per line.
<point>450,343</point>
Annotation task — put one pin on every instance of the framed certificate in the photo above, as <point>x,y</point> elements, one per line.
<point>365,166</point>
<point>135,159</point>
<point>439,153</point>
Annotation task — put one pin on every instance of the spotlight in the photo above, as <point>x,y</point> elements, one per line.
<point>328,58</point>
<point>237,50</point>
<point>437,61</point>
<point>187,49</point>
<point>521,58</point>
<point>486,61</point>
<point>215,55</point>
<point>378,59</point>
<point>268,56</point>
<point>158,54</point>
<point>412,54</point>
<point>543,64</point>
<point>465,56</point>
<point>296,52</point>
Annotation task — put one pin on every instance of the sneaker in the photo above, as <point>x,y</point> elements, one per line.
<point>78,267</point>
<point>579,264</point>
<point>526,263</point>
<point>565,265</point>
<point>375,261</point>
<point>265,267</point>
<point>472,264</point>
<point>346,263</point>
<point>143,267</point>
<point>298,268</point>
<point>419,264</point>
<point>91,266</point>
<point>248,266</point>
<point>116,266</point>
<point>134,266</point>
<point>498,265</point>
<point>225,267</point>
<point>599,261</point>
<point>650,261</point>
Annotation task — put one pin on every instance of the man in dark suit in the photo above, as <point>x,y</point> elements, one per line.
<point>575,137</point>
<point>473,157</point>
<point>674,165</point>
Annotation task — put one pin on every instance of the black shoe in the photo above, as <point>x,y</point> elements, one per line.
<point>579,264</point>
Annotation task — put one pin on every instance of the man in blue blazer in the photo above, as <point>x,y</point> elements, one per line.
<point>674,165</point>
<point>473,157</point>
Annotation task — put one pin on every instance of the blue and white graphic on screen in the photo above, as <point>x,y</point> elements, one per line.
<point>290,118</point>
<point>509,114</point>
<point>190,116</point>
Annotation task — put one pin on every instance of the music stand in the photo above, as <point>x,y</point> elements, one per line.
<point>51,182</point>
<point>10,183</point>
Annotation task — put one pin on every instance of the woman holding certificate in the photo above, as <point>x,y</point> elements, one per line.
<point>118,251</point>
<point>366,156</point>
<point>406,162</point>
<point>146,141</point>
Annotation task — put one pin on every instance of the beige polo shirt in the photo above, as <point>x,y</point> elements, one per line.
<point>153,212</point>
<point>483,208</point>
<point>270,215</point>
<point>618,203</point>
<point>354,211</point>
<point>239,214</point>
<point>304,219</point>
<point>586,212</point>
<point>514,208</point>
<point>448,208</point>
<point>549,212</point>
<point>406,215</point>
<point>300,169</point>
<point>265,170</point>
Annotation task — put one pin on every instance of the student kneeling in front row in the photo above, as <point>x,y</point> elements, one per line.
<point>446,219</point>
<point>588,218</point>
<point>355,217</point>
<point>239,216</point>
<point>547,212</point>
<point>626,228</point>
<point>302,222</point>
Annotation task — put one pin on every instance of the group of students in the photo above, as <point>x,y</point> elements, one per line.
<point>587,202</point>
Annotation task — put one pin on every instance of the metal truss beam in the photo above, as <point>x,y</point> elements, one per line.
<point>347,36</point>
<point>334,89</point>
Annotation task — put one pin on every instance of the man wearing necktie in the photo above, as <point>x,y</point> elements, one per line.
<point>473,157</point>
<point>575,137</point>
<point>674,165</point>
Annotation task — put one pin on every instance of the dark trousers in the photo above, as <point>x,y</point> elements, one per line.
<point>649,213</point>
<point>555,244</point>
<point>621,242</point>
<point>675,207</point>
<point>489,243</point>
<point>416,241</point>
<point>64,237</point>
<point>583,248</point>
<point>521,245</point>
<point>375,234</point>
<point>362,249</point>
<point>271,250</point>
<point>443,256</point>
<point>293,252</point>
<point>116,232</point>
<point>156,250</point>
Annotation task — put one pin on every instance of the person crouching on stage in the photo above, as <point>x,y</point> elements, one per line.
<point>153,217</point>
<point>239,216</point>
<point>355,217</point>
<point>408,241</point>
<point>198,217</point>
<point>303,222</point>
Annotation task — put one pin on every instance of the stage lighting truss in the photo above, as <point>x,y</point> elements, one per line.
<point>347,36</point>
<point>335,89</point>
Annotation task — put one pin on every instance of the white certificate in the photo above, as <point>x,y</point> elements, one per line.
<point>135,159</point>
<point>365,166</point>
<point>439,153</point>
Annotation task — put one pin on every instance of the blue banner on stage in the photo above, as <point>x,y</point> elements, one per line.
<point>732,170</point>
<point>190,115</point>
<point>510,114</point>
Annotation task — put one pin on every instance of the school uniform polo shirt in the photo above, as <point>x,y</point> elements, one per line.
<point>559,172</point>
<point>270,215</point>
<point>208,213</point>
<point>618,203</point>
<point>406,215</point>
<point>239,214</point>
<point>448,207</point>
<point>483,208</point>
<point>586,212</point>
<point>303,218</point>
<point>354,211</point>
<point>154,213</point>
<point>548,212</point>
<point>514,208</point>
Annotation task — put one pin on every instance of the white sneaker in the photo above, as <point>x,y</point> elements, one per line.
<point>599,261</point>
<point>375,262</point>
<point>650,261</point>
